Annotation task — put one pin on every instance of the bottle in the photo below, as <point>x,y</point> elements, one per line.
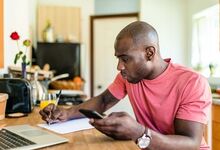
<point>48,35</point>
<point>34,88</point>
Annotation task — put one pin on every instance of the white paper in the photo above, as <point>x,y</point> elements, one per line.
<point>68,126</point>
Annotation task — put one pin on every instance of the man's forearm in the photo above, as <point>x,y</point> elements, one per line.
<point>99,103</point>
<point>172,142</point>
<point>92,104</point>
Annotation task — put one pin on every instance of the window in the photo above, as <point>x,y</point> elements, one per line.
<point>205,42</point>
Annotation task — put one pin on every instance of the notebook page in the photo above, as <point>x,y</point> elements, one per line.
<point>68,126</point>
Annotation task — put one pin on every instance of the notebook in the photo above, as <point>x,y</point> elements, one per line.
<point>26,137</point>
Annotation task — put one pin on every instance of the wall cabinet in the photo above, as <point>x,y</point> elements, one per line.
<point>215,127</point>
<point>65,21</point>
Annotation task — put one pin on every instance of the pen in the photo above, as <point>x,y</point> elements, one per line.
<point>49,118</point>
<point>58,97</point>
<point>57,101</point>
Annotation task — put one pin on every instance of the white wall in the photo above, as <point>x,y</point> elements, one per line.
<point>169,19</point>
<point>195,6</point>
<point>16,18</point>
<point>115,6</point>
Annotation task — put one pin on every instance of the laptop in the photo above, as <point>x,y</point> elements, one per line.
<point>26,137</point>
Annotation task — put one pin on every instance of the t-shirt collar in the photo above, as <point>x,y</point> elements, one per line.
<point>163,74</point>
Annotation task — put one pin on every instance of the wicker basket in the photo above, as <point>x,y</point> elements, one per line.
<point>67,84</point>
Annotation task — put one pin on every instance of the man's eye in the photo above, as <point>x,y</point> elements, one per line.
<point>124,59</point>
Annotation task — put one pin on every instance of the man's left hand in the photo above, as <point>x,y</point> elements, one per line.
<point>119,125</point>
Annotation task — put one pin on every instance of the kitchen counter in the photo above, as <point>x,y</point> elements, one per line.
<point>216,99</point>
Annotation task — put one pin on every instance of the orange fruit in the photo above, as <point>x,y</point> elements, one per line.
<point>77,79</point>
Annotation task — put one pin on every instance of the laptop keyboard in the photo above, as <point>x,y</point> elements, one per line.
<point>9,140</point>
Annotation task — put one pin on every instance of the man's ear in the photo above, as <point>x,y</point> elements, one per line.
<point>150,52</point>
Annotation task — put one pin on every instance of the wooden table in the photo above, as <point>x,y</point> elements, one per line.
<point>90,139</point>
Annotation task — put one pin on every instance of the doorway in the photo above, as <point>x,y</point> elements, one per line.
<point>103,63</point>
<point>104,30</point>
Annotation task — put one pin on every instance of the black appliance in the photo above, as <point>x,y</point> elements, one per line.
<point>20,95</point>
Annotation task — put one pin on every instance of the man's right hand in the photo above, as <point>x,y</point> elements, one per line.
<point>53,113</point>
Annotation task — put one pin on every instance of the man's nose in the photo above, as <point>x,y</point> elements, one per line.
<point>120,66</point>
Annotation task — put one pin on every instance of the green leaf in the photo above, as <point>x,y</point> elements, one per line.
<point>28,63</point>
<point>16,59</point>
<point>20,52</point>
<point>24,58</point>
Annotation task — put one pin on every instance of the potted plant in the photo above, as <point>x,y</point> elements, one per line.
<point>21,55</point>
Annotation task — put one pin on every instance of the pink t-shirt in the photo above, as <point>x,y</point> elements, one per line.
<point>177,93</point>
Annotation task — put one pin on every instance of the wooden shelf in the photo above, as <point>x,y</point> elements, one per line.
<point>42,73</point>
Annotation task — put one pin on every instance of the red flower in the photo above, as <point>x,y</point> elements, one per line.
<point>14,36</point>
<point>21,55</point>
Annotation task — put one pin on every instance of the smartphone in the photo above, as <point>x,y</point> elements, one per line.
<point>91,114</point>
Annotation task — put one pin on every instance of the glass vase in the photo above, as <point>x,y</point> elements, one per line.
<point>23,70</point>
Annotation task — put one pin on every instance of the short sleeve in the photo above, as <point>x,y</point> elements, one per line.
<point>118,88</point>
<point>196,100</point>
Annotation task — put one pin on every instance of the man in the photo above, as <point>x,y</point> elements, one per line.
<point>170,102</point>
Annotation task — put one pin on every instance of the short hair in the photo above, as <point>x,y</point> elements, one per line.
<point>139,31</point>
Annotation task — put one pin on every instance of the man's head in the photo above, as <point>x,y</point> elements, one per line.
<point>137,48</point>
